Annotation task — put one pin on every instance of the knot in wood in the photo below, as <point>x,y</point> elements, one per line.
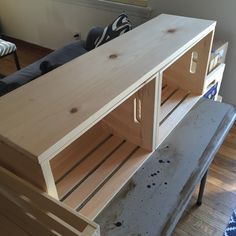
<point>113,56</point>
<point>73,110</point>
<point>171,31</point>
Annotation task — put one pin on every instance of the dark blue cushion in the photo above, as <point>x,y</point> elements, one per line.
<point>31,72</point>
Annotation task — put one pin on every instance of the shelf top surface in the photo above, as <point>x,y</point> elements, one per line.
<point>47,114</point>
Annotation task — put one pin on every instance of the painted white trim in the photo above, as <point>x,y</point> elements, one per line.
<point>144,12</point>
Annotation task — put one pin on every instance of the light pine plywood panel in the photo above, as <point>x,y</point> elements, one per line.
<point>46,115</point>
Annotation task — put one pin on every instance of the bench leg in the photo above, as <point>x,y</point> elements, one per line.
<point>16,61</point>
<point>201,190</point>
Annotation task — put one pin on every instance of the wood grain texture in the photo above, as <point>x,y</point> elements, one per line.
<point>37,213</point>
<point>176,116</point>
<point>79,149</point>
<point>99,176</point>
<point>45,125</point>
<point>101,199</point>
<point>172,102</point>
<point>180,72</point>
<point>142,130</point>
<point>85,168</point>
<point>9,228</point>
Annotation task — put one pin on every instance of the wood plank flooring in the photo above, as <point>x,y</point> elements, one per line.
<point>220,194</point>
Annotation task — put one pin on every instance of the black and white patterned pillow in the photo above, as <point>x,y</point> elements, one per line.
<point>120,26</point>
<point>231,228</point>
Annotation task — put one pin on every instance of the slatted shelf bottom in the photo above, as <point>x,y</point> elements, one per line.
<point>175,104</point>
<point>89,186</point>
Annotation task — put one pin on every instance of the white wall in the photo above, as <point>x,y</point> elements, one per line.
<point>225,14</point>
<point>52,23</point>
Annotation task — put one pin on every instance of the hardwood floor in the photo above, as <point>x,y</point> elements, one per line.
<point>220,194</point>
<point>219,200</point>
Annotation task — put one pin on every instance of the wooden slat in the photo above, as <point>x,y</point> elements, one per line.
<point>166,92</point>
<point>179,72</point>
<point>42,216</point>
<point>44,201</point>
<point>177,115</point>
<point>172,103</point>
<point>116,182</point>
<point>16,214</point>
<point>122,121</point>
<point>87,166</point>
<point>9,228</point>
<point>92,183</point>
<point>65,160</point>
<point>64,103</point>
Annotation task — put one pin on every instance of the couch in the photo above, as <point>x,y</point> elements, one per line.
<point>96,37</point>
<point>33,71</point>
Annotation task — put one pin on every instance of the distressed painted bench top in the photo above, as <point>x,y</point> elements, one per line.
<point>154,199</point>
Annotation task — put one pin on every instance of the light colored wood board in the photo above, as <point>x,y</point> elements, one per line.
<point>166,92</point>
<point>65,160</point>
<point>93,85</point>
<point>22,166</point>
<point>123,121</point>
<point>8,228</point>
<point>159,89</point>
<point>16,214</point>
<point>115,183</point>
<point>44,201</point>
<point>85,168</point>
<point>50,182</point>
<point>172,103</point>
<point>99,176</point>
<point>179,72</point>
<point>42,217</point>
<point>178,114</point>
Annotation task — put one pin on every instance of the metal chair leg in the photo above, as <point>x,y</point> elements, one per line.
<point>16,61</point>
<point>201,190</point>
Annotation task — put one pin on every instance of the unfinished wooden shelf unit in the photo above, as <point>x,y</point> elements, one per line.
<point>81,131</point>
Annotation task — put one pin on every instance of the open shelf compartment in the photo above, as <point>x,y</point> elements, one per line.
<point>91,170</point>
<point>183,84</point>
